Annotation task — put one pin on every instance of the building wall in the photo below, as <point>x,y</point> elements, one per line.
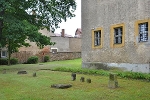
<point>24,55</point>
<point>106,13</point>
<point>34,48</point>
<point>65,44</point>
<point>62,44</point>
<point>75,44</point>
<point>64,56</point>
<point>68,48</point>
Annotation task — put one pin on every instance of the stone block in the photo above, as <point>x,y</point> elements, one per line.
<point>61,86</point>
<point>22,72</point>
<point>112,83</point>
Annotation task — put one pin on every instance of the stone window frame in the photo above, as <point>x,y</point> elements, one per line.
<point>100,37</point>
<point>112,35</point>
<point>137,23</point>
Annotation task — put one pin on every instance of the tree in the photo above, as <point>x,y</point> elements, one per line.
<point>21,19</point>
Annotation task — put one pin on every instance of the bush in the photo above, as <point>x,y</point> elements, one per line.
<point>130,75</point>
<point>3,61</point>
<point>46,58</point>
<point>32,60</point>
<point>13,61</point>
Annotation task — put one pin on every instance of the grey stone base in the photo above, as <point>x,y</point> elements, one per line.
<point>143,68</point>
<point>61,86</point>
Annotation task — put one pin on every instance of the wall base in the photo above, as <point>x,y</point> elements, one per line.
<point>143,68</point>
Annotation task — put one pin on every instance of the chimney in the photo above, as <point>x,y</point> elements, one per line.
<point>63,33</point>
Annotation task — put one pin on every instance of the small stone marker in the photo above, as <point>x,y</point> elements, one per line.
<point>4,71</point>
<point>82,79</point>
<point>113,83</point>
<point>61,86</point>
<point>22,72</point>
<point>73,75</point>
<point>34,74</point>
<point>88,80</point>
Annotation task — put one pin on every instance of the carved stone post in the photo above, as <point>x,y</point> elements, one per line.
<point>34,74</point>
<point>82,79</point>
<point>88,80</point>
<point>113,83</point>
<point>73,75</point>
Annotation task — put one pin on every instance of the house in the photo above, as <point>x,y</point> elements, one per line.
<point>66,43</point>
<point>78,33</point>
<point>116,33</point>
<point>66,47</point>
<point>34,48</point>
<point>25,52</point>
<point>3,52</point>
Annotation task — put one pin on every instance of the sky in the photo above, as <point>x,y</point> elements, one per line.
<point>72,24</point>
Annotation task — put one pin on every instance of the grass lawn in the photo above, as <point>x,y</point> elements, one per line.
<point>26,87</point>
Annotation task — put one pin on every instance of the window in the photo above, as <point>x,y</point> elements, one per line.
<point>117,35</point>
<point>3,53</point>
<point>54,50</point>
<point>97,36</point>
<point>141,30</point>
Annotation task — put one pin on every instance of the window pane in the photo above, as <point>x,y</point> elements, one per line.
<point>97,38</point>
<point>143,32</point>
<point>118,35</point>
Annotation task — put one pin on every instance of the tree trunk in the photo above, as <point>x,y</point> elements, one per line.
<point>1,27</point>
<point>9,52</point>
<point>1,24</point>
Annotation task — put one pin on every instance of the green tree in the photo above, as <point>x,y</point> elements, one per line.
<point>21,19</point>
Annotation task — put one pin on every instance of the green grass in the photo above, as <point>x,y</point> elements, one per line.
<point>26,87</point>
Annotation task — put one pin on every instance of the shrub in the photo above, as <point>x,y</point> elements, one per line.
<point>129,75</point>
<point>32,60</point>
<point>46,58</point>
<point>3,61</point>
<point>13,61</point>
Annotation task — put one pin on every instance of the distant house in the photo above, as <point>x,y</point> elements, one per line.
<point>3,52</point>
<point>25,52</point>
<point>65,42</point>
<point>78,33</point>
<point>66,47</point>
<point>116,33</point>
<point>33,49</point>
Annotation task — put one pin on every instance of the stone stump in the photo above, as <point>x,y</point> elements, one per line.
<point>82,79</point>
<point>73,75</point>
<point>4,71</point>
<point>112,83</point>
<point>88,80</point>
<point>34,74</point>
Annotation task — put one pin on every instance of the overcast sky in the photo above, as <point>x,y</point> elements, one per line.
<point>72,24</point>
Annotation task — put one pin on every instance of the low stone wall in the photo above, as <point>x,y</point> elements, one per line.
<point>64,56</point>
<point>24,55</point>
